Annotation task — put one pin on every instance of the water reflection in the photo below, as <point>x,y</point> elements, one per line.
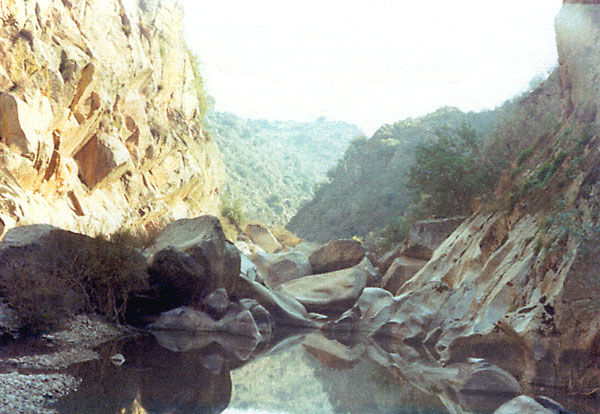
<point>296,373</point>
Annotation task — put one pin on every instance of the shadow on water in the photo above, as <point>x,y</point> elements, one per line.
<point>179,373</point>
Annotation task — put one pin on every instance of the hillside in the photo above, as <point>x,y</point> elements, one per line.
<point>273,166</point>
<point>99,117</point>
<point>368,186</point>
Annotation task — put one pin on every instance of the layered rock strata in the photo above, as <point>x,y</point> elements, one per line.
<point>99,116</point>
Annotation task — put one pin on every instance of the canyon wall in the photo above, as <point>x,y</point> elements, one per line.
<point>519,285</point>
<point>99,122</point>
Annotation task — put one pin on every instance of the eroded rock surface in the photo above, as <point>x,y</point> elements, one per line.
<point>98,117</point>
<point>328,292</point>
<point>192,258</point>
<point>336,255</point>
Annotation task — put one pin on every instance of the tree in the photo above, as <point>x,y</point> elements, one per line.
<point>450,170</point>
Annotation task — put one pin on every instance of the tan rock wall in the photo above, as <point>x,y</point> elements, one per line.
<point>98,116</point>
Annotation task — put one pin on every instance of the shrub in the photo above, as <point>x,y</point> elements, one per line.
<point>285,237</point>
<point>451,170</point>
<point>204,100</point>
<point>67,274</point>
<point>233,211</point>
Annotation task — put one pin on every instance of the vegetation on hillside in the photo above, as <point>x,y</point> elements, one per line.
<point>272,167</point>
<point>369,187</point>
<point>442,164</point>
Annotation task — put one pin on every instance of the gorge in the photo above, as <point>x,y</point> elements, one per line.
<point>101,130</point>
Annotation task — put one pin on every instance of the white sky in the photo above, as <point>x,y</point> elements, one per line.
<point>368,62</point>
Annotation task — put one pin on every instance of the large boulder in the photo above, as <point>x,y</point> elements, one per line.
<point>487,387</point>
<point>191,258</point>
<point>285,267</point>
<point>262,237</point>
<point>336,255</point>
<point>402,269</point>
<point>522,405</point>
<point>373,309</point>
<point>426,236</point>
<point>327,293</point>
<point>238,321</point>
<point>373,277</point>
<point>47,273</point>
<point>385,261</point>
<point>285,310</point>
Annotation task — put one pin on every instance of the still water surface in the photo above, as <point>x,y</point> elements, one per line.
<point>307,373</point>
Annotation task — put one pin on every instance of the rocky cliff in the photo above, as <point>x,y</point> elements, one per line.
<point>520,286</point>
<point>99,116</point>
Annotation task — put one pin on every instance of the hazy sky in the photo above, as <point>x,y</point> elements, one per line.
<point>368,62</point>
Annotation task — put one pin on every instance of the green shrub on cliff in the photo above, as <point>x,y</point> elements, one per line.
<point>451,170</point>
<point>204,100</point>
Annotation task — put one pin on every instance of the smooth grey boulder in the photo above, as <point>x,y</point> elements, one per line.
<point>285,267</point>
<point>327,293</point>
<point>262,237</point>
<point>216,304</point>
<point>235,322</point>
<point>336,255</point>
<point>402,269</point>
<point>488,386</point>
<point>373,277</point>
<point>385,261</point>
<point>196,250</point>
<point>285,310</point>
<point>306,248</point>
<point>522,405</point>
<point>373,309</point>
<point>264,320</point>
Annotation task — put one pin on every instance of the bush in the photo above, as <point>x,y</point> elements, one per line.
<point>450,171</point>
<point>204,100</point>
<point>67,274</point>
<point>285,237</point>
<point>233,211</point>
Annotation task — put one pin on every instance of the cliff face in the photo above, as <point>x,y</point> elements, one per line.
<point>98,116</point>
<point>521,287</point>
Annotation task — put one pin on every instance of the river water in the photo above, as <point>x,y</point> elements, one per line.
<point>302,373</point>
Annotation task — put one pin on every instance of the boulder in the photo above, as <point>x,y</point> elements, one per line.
<point>177,278</point>
<point>247,267</point>
<point>374,308</point>
<point>487,387</point>
<point>402,269</point>
<point>522,405</point>
<point>10,323</point>
<point>285,267</point>
<point>336,255</point>
<point>47,273</point>
<point>306,248</point>
<point>327,293</point>
<point>385,261</point>
<point>216,304</point>
<point>262,237</point>
<point>426,236</point>
<point>194,253</point>
<point>550,404</point>
<point>264,320</point>
<point>284,310</point>
<point>236,322</point>
<point>373,277</point>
